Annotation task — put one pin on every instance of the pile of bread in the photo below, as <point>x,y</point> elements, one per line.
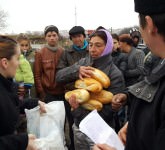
<point>90,93</point>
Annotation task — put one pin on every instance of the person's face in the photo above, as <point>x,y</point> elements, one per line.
<point>122,46</point>
<point>78,40</point>
<point>52,38</point>
<point>115,45</point>
<point>135,40</point>
<point>148,36</point>
<point>24,45</point>
<point>96,46</point>
<point>12,64</point>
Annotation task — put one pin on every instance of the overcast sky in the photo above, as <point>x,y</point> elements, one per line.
<point>34,15</point>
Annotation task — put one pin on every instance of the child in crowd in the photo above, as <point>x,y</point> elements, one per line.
<point>24,75</point>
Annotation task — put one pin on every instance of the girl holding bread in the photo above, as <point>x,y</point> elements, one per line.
<point>100,48</point>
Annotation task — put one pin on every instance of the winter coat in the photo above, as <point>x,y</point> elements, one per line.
<point>146,127</point>
<point>119,59</point>
<point>30,56</point>
<point>104,63</point>
<point>68,58</point>
<point>45,65</point>
<point>135,66</point>
<point>10,108</point>
<point>24,72</point>
<point>71,56</point>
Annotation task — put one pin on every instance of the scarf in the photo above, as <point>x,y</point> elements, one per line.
<point>81,48</point>
<point>52,48</point>
<point>109,44</point>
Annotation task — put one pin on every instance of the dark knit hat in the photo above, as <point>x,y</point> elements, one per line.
<point>51,28</point>
<point>134,32</point>
<point>149,7</point>
<point>77,30</point>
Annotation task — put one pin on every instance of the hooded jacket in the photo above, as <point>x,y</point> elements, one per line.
<point>24,72</point>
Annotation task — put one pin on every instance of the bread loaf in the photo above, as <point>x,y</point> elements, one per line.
<point>104,96</point>
<point>101,77</point>
<point>92,104</point>
<point>89,84</point>
<point>82,95</point>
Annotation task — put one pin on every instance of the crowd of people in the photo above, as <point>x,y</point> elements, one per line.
<point>29,78</point>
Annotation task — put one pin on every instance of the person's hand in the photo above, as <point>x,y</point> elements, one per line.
<point>42,106</point>
<point>42,96</point>
<point>85,72</point>
<point>73,102</point>
<point>31,145</point>
<point>103,147</point>
<point>123,133</point>
<point>118,101</point>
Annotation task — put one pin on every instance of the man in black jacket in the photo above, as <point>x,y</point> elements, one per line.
<point>145,129</point>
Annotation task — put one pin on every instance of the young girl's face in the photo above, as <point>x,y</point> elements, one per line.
<point>24,45</point>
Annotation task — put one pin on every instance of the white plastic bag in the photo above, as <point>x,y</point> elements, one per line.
<point>48,127</point>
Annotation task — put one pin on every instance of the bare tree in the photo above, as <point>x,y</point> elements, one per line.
<point>3,17</point>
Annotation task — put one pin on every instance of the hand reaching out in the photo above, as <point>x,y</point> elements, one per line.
<point>31,145</point>
<point>42,106</point>
<point>73,102</point>
<point>123,133</point>
<point>103,147</point>
<point>118,101</point>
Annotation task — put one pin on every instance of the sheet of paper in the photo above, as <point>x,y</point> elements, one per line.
<point>99,131</point>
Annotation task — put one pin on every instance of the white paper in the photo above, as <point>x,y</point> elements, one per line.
<point>99,131</point>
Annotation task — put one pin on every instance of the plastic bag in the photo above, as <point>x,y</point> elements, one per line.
<point>48,127</point>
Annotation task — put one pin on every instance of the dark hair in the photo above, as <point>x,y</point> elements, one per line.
<point>115,36</point>
<point>76,30</point>
<point>126,38</point>
<point>158,20</point>
<point>51,28</point>
<point>7,47</point>
<point>100,34</point>
<point>100,27</point>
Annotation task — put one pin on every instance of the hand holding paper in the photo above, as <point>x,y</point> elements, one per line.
<point>99,131</point>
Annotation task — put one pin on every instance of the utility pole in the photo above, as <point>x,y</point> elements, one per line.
<point>75,16</point>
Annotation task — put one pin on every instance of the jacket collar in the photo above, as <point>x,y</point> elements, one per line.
<point>157,73</point>
<point>102,61</point>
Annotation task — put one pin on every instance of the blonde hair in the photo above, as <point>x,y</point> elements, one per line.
<point>22,37</point>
